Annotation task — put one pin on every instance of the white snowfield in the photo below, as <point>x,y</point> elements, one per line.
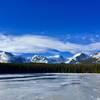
<point>50,87</point>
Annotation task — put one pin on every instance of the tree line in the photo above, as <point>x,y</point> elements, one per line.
<point>48,68</point>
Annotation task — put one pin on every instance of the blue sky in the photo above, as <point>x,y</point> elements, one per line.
<point>76,22</point>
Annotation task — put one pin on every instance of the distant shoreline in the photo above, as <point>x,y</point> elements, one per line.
<point>13,68</point>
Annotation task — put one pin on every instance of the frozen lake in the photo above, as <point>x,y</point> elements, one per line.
<point>50,87</point>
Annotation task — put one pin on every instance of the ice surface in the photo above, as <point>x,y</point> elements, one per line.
<point>50,87</point>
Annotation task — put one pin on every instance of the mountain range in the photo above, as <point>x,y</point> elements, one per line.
<point>6,57</point>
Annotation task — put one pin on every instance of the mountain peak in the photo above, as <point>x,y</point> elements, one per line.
<point>77,58</point>
<point>96,55</point>
<point>6,57</point>
<point>79,54</point>
<point>39,59</point>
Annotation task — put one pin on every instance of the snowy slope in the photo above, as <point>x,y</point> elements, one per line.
<point>77,58</point>
<point>39,59</point>
<point>97,57</point>
<point>6,57</point>
<point>56,59</point>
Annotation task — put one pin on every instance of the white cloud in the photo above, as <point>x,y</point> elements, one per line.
<point>36,44</point>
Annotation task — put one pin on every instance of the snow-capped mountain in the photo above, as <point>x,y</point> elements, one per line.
<point>6,57</point>
<point>49,59</point>
<point>97,57</point>
<point>77,58</point>
<point>39,59</point>
<point>56,59</point>
<point>84,58</point>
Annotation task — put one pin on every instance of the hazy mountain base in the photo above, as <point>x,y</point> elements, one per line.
<point>6,68</point>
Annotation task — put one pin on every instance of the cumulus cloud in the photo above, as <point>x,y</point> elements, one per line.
<point>39,44</point>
